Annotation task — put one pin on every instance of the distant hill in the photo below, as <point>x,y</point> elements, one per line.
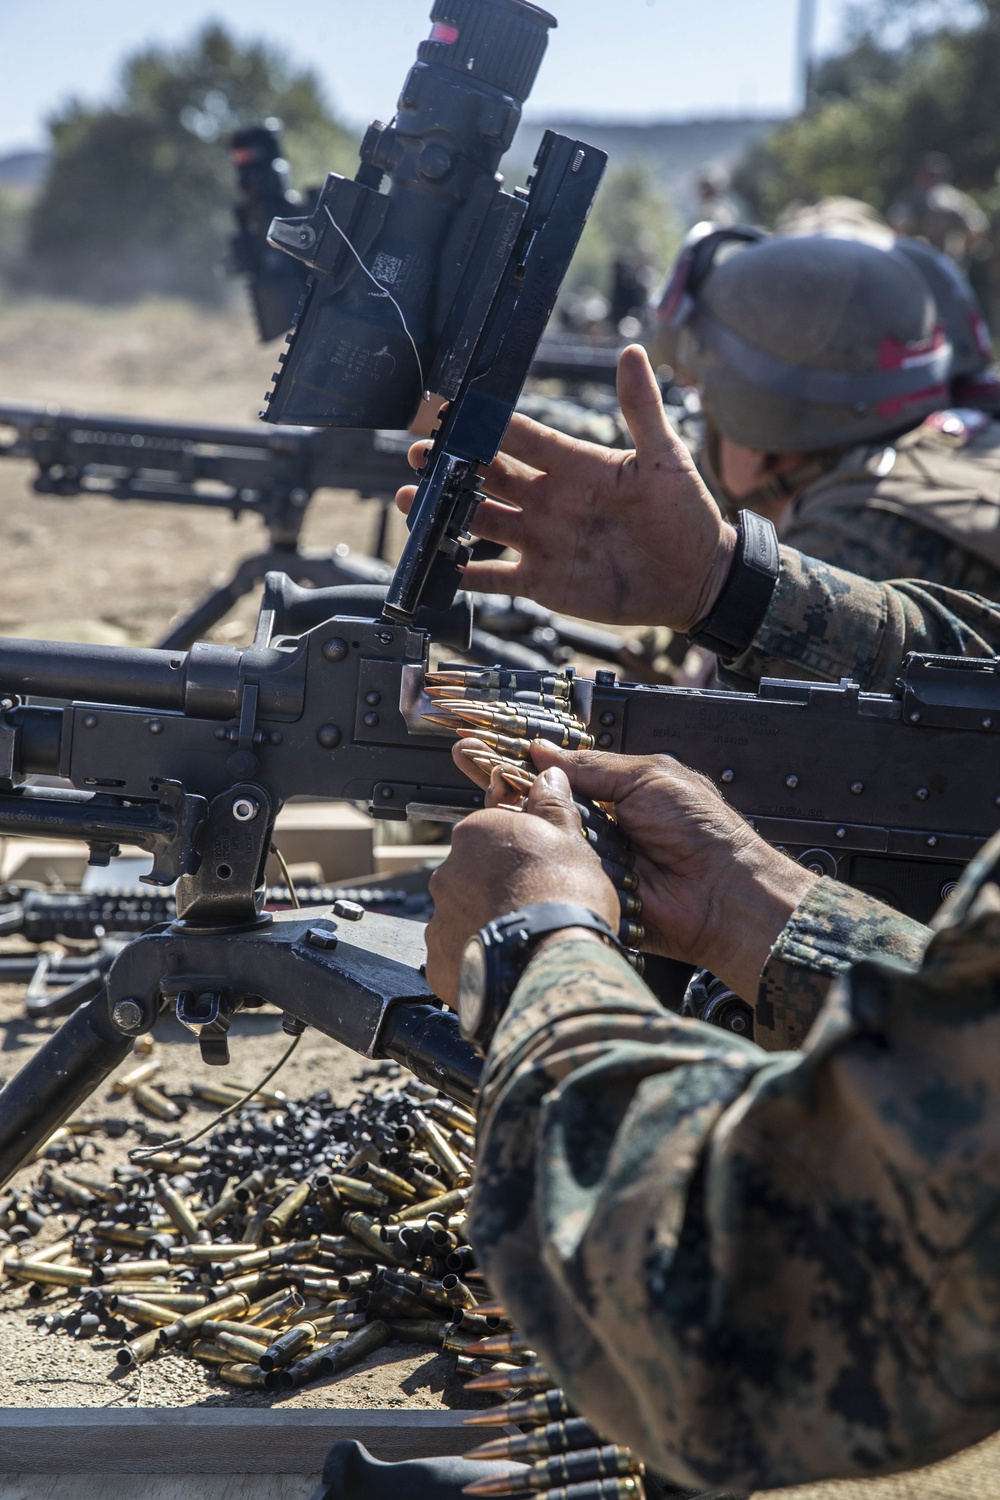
<point>23,170</point>
<point>675,149</point>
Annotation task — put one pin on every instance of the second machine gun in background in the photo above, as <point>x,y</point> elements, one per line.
<point>243,469</point>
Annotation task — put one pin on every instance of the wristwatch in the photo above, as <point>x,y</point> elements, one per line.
<point>496,956</point>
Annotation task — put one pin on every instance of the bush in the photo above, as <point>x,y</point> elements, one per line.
<point>138,196</point>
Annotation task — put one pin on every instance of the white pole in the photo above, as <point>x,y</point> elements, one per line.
<point>804,48</point>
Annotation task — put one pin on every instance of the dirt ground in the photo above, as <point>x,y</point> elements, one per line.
<point>95,569</point>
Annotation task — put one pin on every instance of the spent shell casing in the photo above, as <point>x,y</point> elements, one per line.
<point>302,1371</point>
<point>178,1212</point>
<point>456,1291</point>
<point>247,1330</point>
<point>278,1220</point>
<point>389,1182</point>
<point>136,1351</point>
<point>149,1291</point>
<point>118,1234</point>
<point>433,1139</point>
<point>253,1283</point>
<point>328,1198</point>
<point>65,1187</point>
<point>133,1270</point>
<point>174,1166</point>
<point>239,1346</point>
<point>154,1103</point>
<point>209,1354</point>
<point>365,1229</point>
<point>247,1374</point>
<point>452,1114</point>
<point>357,1191</point>
<point>271,1310</point>
<point>550,1406</point>
<point>527,1376</point>
<point>47,1274</point>
<point>554,1437</point>
<point>146,1314</point>
<point>187,1326</point>
<point>346,1247</point>
<point>343,1353</point>
<point>205,1255</point>
<point>456,1198</point>
<point>419,1331</point>
<point>285,1349</point>
<point>127,1083</point>
<point>172,1302</point>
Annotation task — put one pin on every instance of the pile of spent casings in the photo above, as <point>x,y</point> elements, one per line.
<point>298,1239</point>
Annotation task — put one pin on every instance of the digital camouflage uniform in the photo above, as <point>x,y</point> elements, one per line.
<point>760,1268</point>
<point>825,623</point>
<point>927,506</point>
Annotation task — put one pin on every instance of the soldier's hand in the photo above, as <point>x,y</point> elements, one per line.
<point>625,537</point>
<point>503,858</point>
<point>714,893</point>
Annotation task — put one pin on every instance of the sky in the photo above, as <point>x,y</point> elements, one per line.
<point>619,59</point>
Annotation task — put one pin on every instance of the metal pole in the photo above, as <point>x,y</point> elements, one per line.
<point>804,41</point>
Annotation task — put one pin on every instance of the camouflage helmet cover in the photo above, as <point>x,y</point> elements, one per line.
<point>808,343</point>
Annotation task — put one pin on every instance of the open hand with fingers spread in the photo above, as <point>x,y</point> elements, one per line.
<point>624,537</point>
<point>714,893</point>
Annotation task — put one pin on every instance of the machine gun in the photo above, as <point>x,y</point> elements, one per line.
<point>243,469</point>
<point>263,193</point>
<point>191,755</point>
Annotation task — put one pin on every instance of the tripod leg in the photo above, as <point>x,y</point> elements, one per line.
<point>218,604</point>
<point>382,528</point>
<point>56,1081</point>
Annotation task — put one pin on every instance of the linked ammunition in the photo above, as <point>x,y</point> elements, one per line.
<point>554,1437</point>
<point>550,1406</point>
<point>500,1345</point>
<point>577,1467</point>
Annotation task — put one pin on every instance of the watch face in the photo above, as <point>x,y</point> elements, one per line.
<point>472,988</point>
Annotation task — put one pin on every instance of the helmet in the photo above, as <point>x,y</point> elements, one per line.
<point>809,343</point>
<point>957,306</point>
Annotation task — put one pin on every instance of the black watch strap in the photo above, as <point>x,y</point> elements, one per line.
<point>746,594</point>
<point>543,918</point>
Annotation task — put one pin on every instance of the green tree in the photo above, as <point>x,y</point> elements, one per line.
<point>919,76</point>
<point>138,196</point>
<point>630,214</point>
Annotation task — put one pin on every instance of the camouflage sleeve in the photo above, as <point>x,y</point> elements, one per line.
<point>824,623</point>
<point>755,1269</point>
<point>833,927</point>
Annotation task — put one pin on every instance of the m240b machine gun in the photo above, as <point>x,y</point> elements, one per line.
<point>246,470</point>
<point>191,756</point>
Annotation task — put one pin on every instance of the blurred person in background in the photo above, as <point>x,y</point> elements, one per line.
<point>935,210</point>
<point>714,204</point>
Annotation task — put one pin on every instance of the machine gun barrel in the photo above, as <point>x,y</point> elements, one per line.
<point>208,680</point>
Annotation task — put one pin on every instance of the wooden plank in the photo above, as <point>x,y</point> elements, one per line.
<point>237,1440</point>
<point>157,1487</point>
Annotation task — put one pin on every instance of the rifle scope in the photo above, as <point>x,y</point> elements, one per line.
<point>406,258</point>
